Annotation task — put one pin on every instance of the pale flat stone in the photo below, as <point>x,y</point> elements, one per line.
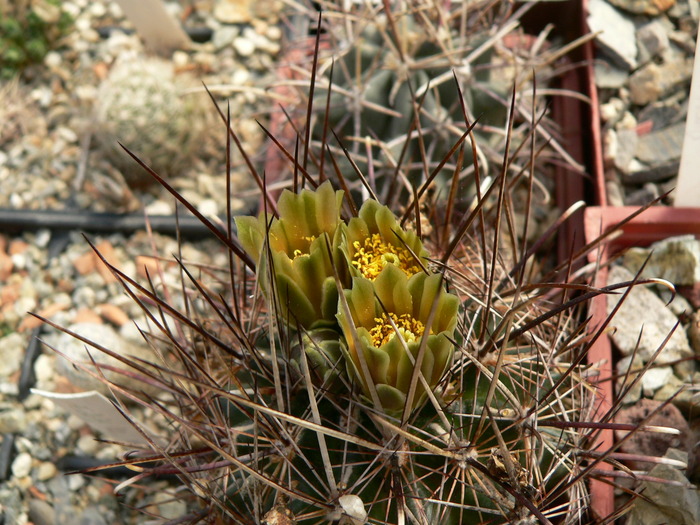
<point>617,35</point>
<point>676,259</point>
<point>644,313</point>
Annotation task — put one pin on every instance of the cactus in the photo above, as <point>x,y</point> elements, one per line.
<point>362,369</point>
<point>141,105</point>
<point>388,84</point>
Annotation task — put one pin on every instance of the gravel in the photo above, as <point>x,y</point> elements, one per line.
<point>49,160</point>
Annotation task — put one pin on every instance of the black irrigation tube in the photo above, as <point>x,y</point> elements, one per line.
<point>30,220</point>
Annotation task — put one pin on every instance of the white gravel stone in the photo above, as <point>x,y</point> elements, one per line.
<point>88,445</point>
<point>243,46</point>
<point>22,465</point>
<point>13,346</point>
<point>655,378</point>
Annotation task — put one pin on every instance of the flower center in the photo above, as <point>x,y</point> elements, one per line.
<point>410,329</point>
<point>374,254</point>
<point>310,239</point>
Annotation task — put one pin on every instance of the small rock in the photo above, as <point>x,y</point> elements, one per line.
<point>676,259</point>
<point>13,421</point>
<point>168,506</point>
<point>652,444</point>
<point>652,40</point>
<point>22,465</point>
<point>46,471</point>
<point>627,146</point>
<point>612,110</point>
<point>113,314</point>
<point>642,196</point>
<point>644,7</point>
<point>650,82</point>
<point>41,513</point>
<point>224,36</point>
<point>644,313</point>
<point>233,11</point>
<point>106,336</point>
<point>674,501</point>
<point>617,37</point>
<point>13,346</point>
<point>662,146</point>
<point>654,378</point>
<point>661,114</point>
<point>640,173</point>
<point>244,46</point>
<point>88,445</point>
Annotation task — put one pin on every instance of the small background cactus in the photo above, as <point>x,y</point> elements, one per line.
<point>143,105</point>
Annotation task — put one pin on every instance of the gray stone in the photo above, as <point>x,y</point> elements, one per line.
<point>224,36</point>
<point>650,82</point>
<point>647,193</point>
<point>609,76</point>
<point>41,512</point>
<point>652,40</point>
<point>655,378</point>
<point>662,114</point>
<point>676,259</point>
<point>13,420</point>
<point>627,146</point>
<point>644,313</point>
<point>106,336</point>
<point>626,377</point>
<point>617,33</point>
<point>13,346</point>
<point>662,146</point>
<point>640,173</point>
<point>676,502</point>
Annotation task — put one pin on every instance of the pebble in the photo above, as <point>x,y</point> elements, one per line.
<point>41,512</point>
<point>644,313</point>
<point>22,465</point>
<point>46,470</point>
<point>617,37</point>
<point>244,46</point>
<point>655,378</point>
<point>13,420</point>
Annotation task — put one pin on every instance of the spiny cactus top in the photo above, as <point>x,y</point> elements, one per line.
<point>393,315</point>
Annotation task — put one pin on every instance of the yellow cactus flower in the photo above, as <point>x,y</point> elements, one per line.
<point>375,239</point>
<point>300,261</point>
<point>388,316</point>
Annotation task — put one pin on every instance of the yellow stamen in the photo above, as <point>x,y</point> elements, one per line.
<point>410,329</point>
<point>298,253</point>
<point>374,254</point>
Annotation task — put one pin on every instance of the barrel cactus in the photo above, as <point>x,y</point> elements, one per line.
<point>383,363</point>
<point>142,104</point>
